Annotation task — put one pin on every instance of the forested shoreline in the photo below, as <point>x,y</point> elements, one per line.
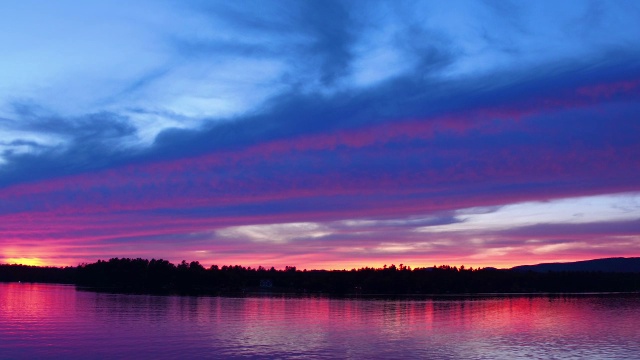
<point>191,278</point>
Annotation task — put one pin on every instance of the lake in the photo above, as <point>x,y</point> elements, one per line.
<point>58,321</point>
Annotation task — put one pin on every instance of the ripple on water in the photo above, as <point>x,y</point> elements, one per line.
<point>57,321</point>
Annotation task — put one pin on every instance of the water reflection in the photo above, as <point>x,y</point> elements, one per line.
<point>55,321</point>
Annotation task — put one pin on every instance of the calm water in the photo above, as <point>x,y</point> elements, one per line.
<point>57,321</point>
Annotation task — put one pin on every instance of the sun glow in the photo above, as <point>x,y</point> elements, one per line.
<point>25,261</point>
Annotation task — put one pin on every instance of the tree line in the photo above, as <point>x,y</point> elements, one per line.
<point>158,276</point>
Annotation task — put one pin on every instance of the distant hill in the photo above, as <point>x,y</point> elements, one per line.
<point>617,265</point>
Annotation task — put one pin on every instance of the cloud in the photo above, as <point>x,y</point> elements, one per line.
<point>483,154</point>
<point>527,216</point>
<point>71,145</point>
<point>278,233</point>
<point>283,120</point>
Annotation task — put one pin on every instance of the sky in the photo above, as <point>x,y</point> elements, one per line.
<point>319,134</point>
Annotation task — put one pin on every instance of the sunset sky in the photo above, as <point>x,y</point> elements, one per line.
<point>319,134</point>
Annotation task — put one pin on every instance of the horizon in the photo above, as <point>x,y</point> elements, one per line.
<point>386,265</point>
<point>319,134</point>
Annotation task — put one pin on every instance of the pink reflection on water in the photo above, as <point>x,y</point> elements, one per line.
<point>58,321</point>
